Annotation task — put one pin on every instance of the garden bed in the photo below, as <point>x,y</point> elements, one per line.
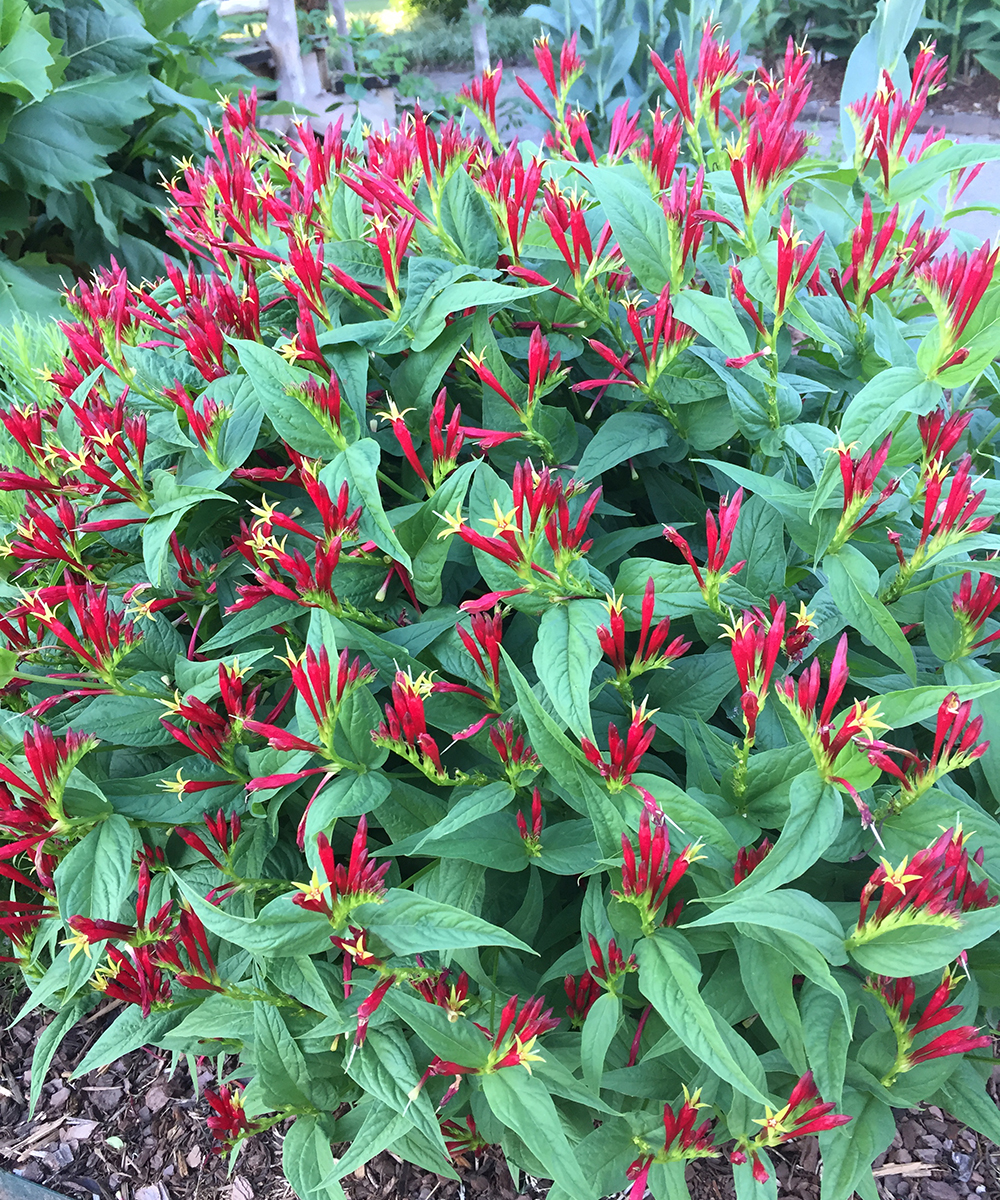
<point>135,1131</point>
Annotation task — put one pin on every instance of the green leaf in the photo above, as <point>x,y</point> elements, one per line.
<point>848,1151</point>
<point>95,878</point>
<point>767,976</point>
<point>920,177</point>
<point>454,1041</point>
<point>279,928</point>
<point>126,720</point>
<point>964,1095</point>
<point>282,1074</point>
<point>481,802</point>
<point>564,657</point>
<point>791,910</point>
<point>127,1032</point>
<point>669,980</point>
<point>412,924</point>
<point>277,385</point>
<point>880,405</point>
<point>623,435</point>
<point>308,1163</point>
<point>597,1035</point>
<point>358,466</point>
<point>384,1067</point>
<point>48,1042</point>
<point>853,581</point>
<point>917,949</point>
<point>64,139</point>
<point>637,222</point>
<point>419,534</point>
<point>912,705</point>
<point>554,749</point>
<point>468,221</point>
<point>826,1031</point>
<point>26,58</point>
<point>271,611</point>
<point>524,1105</point>
<point>714,317</point>
<point>813,824</point>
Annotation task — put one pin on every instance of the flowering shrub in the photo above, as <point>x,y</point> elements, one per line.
<point>488,585</point>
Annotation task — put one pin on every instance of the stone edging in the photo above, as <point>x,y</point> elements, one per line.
<point>966,124</point>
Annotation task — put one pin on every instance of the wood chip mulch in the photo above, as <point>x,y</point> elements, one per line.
<point>133,1131</point>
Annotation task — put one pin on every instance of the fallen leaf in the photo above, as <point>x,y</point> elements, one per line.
<point>240,1189</point>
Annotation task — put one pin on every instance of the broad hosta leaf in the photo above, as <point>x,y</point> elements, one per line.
<point>65,139</point>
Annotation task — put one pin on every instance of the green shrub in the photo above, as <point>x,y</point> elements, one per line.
<point>495,585</point>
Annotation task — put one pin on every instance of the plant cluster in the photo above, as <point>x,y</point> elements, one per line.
<point>96,104</point>
<point>497,650</point>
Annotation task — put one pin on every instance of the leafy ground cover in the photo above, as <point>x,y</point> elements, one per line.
<point>499,586</point>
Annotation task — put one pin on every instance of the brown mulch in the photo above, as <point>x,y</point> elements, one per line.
<point>967,94</point>
<point>133,1131</point>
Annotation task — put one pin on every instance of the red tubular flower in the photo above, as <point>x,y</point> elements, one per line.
<point>532,838</point>
<point>946,522</point>
<point>750,307</point>
<point>404,728</point>
<point>719,537</point>
<point>934,889</point>
<point>683,1142</point>
<point>442,991</point>
<point>859,483</point>
<point>105,636</point>
<point>795,261</point>
<point>512,750</point>
<point>135,978</point>
<point>653,650</point>
<point>647,883</point>
<point>360,882</point>
<point>748,858</point>
<point>884,122</point>
<point>624,755</point>
<point>19,921</point>
<point>462,1139</point>
<point>368,1006</point>
<point>677,85</point>
<point>510,186</point>
<point>956,746</point>
<point>804,1114</point>
<point>972,608</point>
<point>517,1033</point>
<point>940,435</point>
<point>954,286</point>
<point>610,967</point>
<point>480,97</point>
<point>486,635</point>
<point>658,155</point>
<point>581,994</point>
<point>199,972</point>
<point>88,931</point>
<point>771,146</point>
<point>826,741</point>
<point>229,1123</point>
<point>897,997</point>
<point>755,645</point>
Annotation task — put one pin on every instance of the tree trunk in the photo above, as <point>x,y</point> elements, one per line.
<point>477,29</point>
<point>283,38</point>
<point>346,53</point>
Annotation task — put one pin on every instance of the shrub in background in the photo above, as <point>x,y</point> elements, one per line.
<point>96,104</point>
<point>503,654</point>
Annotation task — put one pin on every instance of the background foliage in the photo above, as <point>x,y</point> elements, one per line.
<point>97,103</point>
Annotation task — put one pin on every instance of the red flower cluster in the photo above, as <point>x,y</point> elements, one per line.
<point>648,881</point>
<point>897,998</point>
